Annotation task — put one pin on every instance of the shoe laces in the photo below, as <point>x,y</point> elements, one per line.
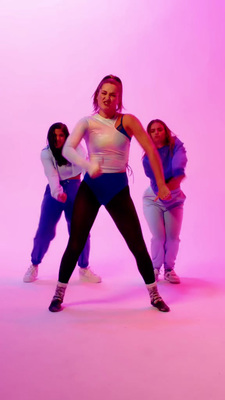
<point>59,293</point>
<point>89,272</point>
<point>31,268</point>
<point>171,273</point>
<point>31,271</point>
<point>154,295</point>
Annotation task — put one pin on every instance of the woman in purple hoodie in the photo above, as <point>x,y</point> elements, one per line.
<point>164,217</point>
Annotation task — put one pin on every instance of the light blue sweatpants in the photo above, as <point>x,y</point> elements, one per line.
<point>164,219</point>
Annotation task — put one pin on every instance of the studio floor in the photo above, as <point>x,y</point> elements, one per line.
<point>108,342</point>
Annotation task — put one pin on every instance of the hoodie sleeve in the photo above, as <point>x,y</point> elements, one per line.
<point>147,167</point>
<point>51,173</point>
<point>179,159</point>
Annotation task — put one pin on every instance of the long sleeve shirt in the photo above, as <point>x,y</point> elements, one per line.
<point>56,173</point>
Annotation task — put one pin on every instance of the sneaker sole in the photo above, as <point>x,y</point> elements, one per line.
<point>55,307</point>
<point>177,282</point>
<point>84,279</point>
<point>163,308</point>
<point>29,281</point>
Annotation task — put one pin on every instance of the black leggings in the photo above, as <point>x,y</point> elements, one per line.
<point>122,211</point>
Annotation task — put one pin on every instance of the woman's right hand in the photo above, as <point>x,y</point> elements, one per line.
<point>94,169</point>
<point>62,197</point>
<point>163,193</point>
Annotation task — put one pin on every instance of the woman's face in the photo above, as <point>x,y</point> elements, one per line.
<point>158,134</point>
<point>108,98</point>
<point>59,138</point>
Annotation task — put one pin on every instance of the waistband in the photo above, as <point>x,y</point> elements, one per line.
<point>72,177</point>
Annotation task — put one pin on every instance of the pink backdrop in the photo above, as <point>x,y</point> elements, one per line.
<point>170,56</point>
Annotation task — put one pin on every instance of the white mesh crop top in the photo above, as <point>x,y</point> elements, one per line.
<point>106,144</point>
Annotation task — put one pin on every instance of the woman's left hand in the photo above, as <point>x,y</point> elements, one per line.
<point>163,193</point>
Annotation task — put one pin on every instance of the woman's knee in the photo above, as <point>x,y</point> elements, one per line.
<point>158,240</point>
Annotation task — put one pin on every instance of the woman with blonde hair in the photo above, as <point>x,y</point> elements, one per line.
<point>108,134</point>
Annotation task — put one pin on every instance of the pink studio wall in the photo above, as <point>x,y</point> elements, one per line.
<point>170,57</point>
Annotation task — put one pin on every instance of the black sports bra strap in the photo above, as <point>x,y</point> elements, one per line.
<point>120,126</point>
<point>121,129</point>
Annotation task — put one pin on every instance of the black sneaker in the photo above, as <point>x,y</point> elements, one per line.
<point>58,297</point>
<point>157,301</point>
<point>55,305</point>
<point>161,305</point>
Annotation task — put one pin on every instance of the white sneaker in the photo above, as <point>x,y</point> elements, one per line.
<point>31,274</point>
<point>171,276</point>
<point>156,272</point>
<point>87,275</point>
